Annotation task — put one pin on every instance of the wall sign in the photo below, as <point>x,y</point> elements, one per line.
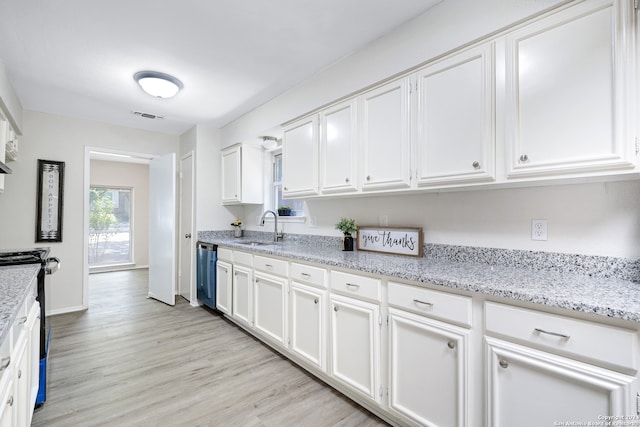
<point>50,198</point>
<point>392,240</point>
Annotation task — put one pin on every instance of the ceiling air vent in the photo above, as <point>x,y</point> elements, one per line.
<point>147,115</point>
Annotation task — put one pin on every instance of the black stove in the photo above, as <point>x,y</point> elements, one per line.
<point>36,256</point>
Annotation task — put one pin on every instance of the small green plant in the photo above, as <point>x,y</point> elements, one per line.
<point>347,225</point>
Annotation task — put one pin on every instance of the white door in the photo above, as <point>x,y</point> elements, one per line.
<point>338,148</point>
<point>242,295</point>
<point>307,323</point>
<point>162,226</point>
<point>270,304</point>
<point>300,158</point>
<point>186,228</point>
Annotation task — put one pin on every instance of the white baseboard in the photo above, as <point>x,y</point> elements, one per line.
<point>65,310</point>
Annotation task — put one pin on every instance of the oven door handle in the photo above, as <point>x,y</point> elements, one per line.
<point>51,270</point>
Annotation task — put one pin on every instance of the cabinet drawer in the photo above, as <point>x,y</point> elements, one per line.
<point>427,302</point>
<point>243,258</point>
<point>308,274</point>
<point>271,265</point>
<point>225,254</point>
<point>354,285</point>
<point>609,344</point>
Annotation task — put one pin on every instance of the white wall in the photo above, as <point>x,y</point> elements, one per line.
<point>135,176</point>
<point>59,138</point>
<point>594,219</point>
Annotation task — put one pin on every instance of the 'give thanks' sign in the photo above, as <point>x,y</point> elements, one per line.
<point>399,241</point>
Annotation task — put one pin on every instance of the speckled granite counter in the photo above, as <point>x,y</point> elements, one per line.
<point>14,284</point>
<point>601,285</point>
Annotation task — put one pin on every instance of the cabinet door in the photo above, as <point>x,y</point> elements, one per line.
<point>300,158</point>
<point>33,330</point>
<point>270,306</point>
<point>568,93</point>
<point>456,119</point>
<point>224,285</point>
<point>242,293</point>
<point>530,388</point>
<point>7,400</point>
<point>385,137</point>
<point>308,323</point>
<point>355,345</point>
<point>231,176</point>
<point>338,148</point>
<point>428,370</point>
<point>21,387</point>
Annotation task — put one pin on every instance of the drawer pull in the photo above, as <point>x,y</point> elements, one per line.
<point>335,308</point>
<point>19,373</point>
<point>417,301</point>
<point>10,401</point>
<point>451,344</point>
<point>555,334</point>
<point>5,363</point>
<point>315,301</point>
<point>305,275</point>
<point>353,285</point>
<point>503,363</point>
<point>22,320</point>
<point>269,266</point>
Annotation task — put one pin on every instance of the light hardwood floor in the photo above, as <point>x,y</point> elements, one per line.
<point>133,361</point>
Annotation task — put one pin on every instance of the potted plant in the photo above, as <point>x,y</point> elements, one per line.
<point>284,210</point>
<point>237,227</point>
<point>348,227</point>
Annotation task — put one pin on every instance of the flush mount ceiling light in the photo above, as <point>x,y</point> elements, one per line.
<point>269,142</point>
<point>158,84</point>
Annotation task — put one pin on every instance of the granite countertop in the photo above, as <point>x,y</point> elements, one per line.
<point>15,282</point>
<point>584,291</point>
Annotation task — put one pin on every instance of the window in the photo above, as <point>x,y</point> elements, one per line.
<point>296,206</point>
<point>109,226</point>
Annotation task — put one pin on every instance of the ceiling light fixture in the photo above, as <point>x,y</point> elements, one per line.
<point>269,142</point>
<point>158,84</point>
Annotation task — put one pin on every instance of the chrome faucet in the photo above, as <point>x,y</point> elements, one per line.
<point>276,236</point>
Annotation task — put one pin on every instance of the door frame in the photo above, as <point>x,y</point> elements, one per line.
<point>86,185</point>
<point>192,291</point>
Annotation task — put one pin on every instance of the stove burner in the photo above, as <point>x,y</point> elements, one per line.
<point>26,256</point>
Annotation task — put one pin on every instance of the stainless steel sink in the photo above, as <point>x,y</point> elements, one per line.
<point>255,243</point>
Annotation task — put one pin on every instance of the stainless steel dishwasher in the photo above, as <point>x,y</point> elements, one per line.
<point>206,273</point>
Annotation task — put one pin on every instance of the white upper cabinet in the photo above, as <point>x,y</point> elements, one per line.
<point>339,148</point>
<point>455,118</point>
<point>569,91</point>
<point>300,158</point>
<point>385,136</point>
<point>242,174</point>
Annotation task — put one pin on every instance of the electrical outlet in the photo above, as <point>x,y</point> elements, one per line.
<point>538,229</point>
<point>383,221</point>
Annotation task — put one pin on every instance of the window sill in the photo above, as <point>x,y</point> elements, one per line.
<point>282,219</point>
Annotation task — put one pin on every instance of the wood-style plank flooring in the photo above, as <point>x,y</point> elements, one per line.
<point>133,361</point>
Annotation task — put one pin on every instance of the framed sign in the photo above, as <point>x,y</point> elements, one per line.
<point>50,198</point>
<point>391,240</point>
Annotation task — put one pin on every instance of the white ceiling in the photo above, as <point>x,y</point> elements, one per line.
<point>77,57</point>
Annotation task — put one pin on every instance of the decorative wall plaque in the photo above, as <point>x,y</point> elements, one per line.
<point>50,201</point>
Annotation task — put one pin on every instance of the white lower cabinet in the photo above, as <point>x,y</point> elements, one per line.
<point>531,388</point>
<point>242,294</point>
<point>270,306</point>
<point>428,370</point>
<point>546,369</point>
<point>308,323</point>
<point>355,345</point>
<point>224,286</point>
<point>7,401</point>
<point>21,387</point>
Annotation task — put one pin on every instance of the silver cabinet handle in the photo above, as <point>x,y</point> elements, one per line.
<point>269,266</point>
<point>352,285</point>
<point>22,320</point>
<point>305,275</point>
<point>286,189</point>
<point>524,158</point>
<point>555,334</point>
<point>417,301</point>
<point>503,363</point>
<point>19,373</point>
<point>475,164</point>
<point>368,178</point>
<point>10,401</point>
<point>335,308</point>
<point>315,301</point>
<point>451,344</point>
<point>5,362</point>
<point>346,180</point>
<point>187,236</point>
